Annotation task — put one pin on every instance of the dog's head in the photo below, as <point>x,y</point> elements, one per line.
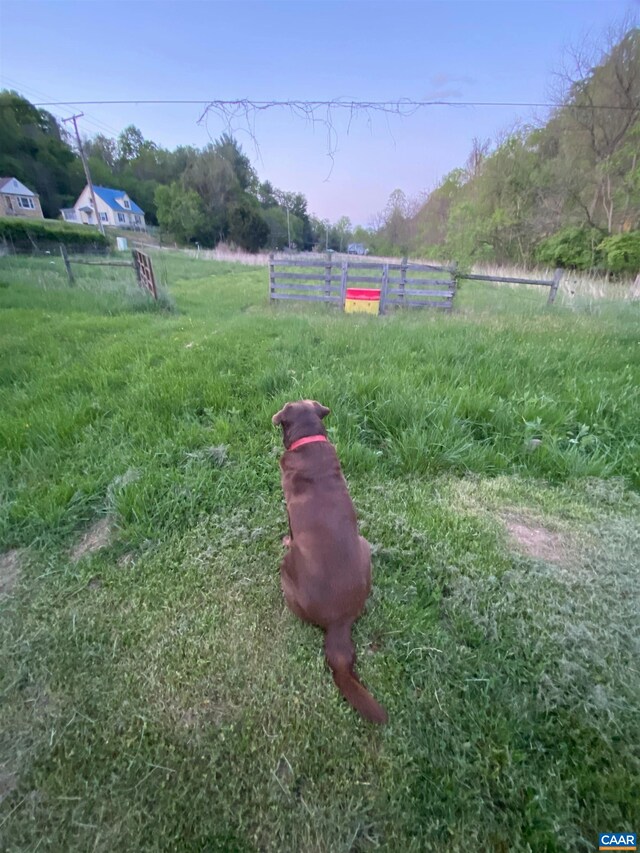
<point>300,419</point>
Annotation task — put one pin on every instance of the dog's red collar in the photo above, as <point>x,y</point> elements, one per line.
<point>310,439</point>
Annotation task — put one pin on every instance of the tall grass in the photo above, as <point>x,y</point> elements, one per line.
<point>577,287</point>
<point>157,694</point>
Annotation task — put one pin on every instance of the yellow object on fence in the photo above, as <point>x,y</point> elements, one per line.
<point>362,300</point>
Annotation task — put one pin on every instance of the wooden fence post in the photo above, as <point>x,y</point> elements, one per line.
<point>557,277</point>
<point>383,289</point>
<point>327,277</point>
<point>136,267</point>
<point>403,278</point>
<point>272,277</point>
<point>343,283</point>
<point>65,258</point>
<point>454,283</point>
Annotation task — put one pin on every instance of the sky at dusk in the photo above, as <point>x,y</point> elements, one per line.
<point>268,51</point>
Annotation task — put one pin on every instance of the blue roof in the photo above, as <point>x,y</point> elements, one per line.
<point>111,196</point>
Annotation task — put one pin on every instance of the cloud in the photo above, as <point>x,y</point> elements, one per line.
<point>441,94</point>
<point>440,80</point>
<point>446,86</point>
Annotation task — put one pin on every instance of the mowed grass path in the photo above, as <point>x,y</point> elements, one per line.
<point>156,693</point>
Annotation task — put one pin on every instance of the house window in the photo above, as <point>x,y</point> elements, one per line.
<point>137,219</point>
<point>126,204</point>
<point>104,217</point>
<point>25,201</point>
<point>121,217</point>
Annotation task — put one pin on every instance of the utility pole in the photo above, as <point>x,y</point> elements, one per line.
<point>74,119</point>
<point>288,229</point>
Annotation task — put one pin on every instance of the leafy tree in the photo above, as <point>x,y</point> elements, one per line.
<point>361,235</point>
<point>180,212</point>
<point>395,218</point>
<point>130,143</point>
<point>479,152</point>
<point>231,151</point>
<point>213,178</point>
<point>571,248</point>
<point>266,194</point>
<point>431,219</point>
<point>319,232</point>
<point>505,196</point>
<point>469,236</point>
<point>296,204</point>
<point>279,229</point>
<point>624,169</point>
<point>102,149</point>
<point>621,253</point>
<point>344,228</point>
<point>102,175</point>
<point>247,228</point>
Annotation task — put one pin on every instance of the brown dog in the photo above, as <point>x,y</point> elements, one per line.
<point>326,572</point>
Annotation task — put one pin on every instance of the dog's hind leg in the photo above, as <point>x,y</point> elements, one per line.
<point>288,587</point>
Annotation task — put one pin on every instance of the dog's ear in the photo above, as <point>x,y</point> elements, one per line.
<point>321,410</point>
<point>276,420</point>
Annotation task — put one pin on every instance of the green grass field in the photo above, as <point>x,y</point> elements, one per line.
<point>155,692</point>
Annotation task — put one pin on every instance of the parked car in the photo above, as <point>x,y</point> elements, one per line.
<point>357,249</point>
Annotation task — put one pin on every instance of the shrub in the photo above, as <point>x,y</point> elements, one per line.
<point>247,228</point>
<point>621,252</point>
<point>25,235</point>
<point>180,212</point>
<point>571,248</point>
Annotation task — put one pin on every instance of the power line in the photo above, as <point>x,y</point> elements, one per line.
<point>39,93</point>
<point>390,106</point>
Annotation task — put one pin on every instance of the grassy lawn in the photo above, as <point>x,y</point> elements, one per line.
<point>156,694</point>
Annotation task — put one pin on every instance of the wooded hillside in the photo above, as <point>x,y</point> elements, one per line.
<point>566,192</point>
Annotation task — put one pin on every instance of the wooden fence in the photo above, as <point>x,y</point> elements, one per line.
<point>418,286</point>
<point>552,284</point>
<point>318,280</point>
<point>144,272</point>
<point>140,263</point>
<point>401,284</point>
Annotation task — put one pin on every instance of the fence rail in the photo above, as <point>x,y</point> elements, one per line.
<point>553,284</point>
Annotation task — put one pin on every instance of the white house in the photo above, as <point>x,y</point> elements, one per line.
<point>115,209</point>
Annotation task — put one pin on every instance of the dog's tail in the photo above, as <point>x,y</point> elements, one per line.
<point>341,657</point>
